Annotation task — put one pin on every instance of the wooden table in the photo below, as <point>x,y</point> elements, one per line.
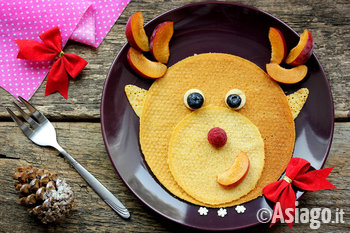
<point>77,121</point>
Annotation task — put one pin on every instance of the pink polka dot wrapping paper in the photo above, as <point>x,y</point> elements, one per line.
<point>87,22</point>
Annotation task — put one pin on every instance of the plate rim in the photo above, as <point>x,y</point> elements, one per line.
<point>108,77</point>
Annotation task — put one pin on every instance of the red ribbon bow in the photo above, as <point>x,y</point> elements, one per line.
<point>67,63</point>
<point>282,192</point>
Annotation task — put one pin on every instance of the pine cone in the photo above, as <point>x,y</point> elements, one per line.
<point>48,198</point>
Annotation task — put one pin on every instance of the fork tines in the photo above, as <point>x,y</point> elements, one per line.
<point>35,113</point>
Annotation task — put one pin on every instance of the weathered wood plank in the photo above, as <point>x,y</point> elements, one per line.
<point>328,21</point>
<point>84,142</point>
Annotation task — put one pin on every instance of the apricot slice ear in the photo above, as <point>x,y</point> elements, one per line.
<point>160,41</point>
<point>143,66</point>
<point>303,51</point>
<point>287,76</point>
<point>278,46</point>
<point>135,33</point>
<point>236,173</point>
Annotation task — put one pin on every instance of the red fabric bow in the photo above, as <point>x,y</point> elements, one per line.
<point>281,191</point>
<point>67,63</point>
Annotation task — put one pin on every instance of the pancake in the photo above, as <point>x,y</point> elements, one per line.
<point>195,164</point>
<point>215,74</point>
<point>297,100</point>
<point>136,97</point>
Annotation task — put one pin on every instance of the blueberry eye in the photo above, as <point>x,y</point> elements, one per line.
<point>193,99</point>
<point>235,99</point>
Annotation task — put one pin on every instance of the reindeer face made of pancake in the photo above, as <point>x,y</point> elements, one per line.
<point>185,113</point>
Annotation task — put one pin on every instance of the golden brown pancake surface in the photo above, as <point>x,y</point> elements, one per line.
<point>195,163</point>
<point>215,74</point>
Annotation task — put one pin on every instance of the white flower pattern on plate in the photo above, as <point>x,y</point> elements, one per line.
<point>240,209</point>
<point>222,212</point>
<point>203,211</point>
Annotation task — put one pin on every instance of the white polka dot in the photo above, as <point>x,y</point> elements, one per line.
<point>23,18</point>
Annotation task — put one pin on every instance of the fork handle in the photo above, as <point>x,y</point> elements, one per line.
<point>99,188</point>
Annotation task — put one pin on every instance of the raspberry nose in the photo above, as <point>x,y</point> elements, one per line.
<point>217,137</point>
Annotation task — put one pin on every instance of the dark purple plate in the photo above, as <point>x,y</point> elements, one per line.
<point>198,28</point>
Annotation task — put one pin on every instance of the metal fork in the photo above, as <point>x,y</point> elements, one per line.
<point>43,133</point>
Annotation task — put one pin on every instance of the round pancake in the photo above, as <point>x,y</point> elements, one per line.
<point>195,163</point>
<point>215,74</point>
